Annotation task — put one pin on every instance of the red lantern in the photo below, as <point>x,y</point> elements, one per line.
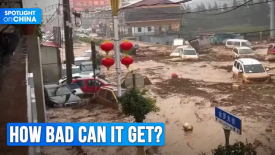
<point>126,45</point>
<point>108,62</point>
<point>127,61</point>
<point>107,46</point>
<point>28,29</point>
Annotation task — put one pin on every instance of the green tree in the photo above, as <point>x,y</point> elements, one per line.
<point>209,6</point>
<point>134,103</point>
<point>39,32</point>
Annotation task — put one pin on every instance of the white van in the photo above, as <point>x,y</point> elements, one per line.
<point>231,43</point>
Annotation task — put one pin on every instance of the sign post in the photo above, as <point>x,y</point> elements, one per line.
<point>230,122</point>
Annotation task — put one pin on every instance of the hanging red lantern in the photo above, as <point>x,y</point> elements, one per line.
<point>126,45</point>
<point>127,61</point>
<point>108,62</point>
<point>107,46</point>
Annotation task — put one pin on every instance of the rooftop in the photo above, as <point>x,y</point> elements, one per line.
<point>243,47</point>
<point>81,58</point>
<point>249,61</point>
<point>237,40</point>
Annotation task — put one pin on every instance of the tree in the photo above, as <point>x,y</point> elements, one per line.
<point>39,32</point>
<point>209,6</point>
<point>134,103</point>
<point>202,7</point>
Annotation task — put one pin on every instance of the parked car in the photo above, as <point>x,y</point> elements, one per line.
<point>231,43</point>
<point>271,49</point>
<point>63,80</point>
<point>87,67</point>
<point>250,71</point>
<point>189,53</point>
<point>77,89</point>
<point>87,53</point>
<point>107,96</point>
<point>239,52</point>
<point>87,85</point>
<point>60,95</point>
<point>178,50</point>
<point>79,60</point>
<point>75,69</point>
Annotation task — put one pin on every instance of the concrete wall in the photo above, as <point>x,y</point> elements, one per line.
<point>164,40</point>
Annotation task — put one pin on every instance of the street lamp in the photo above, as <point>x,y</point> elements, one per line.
<point>115,7</point>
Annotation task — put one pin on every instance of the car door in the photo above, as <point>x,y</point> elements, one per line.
<point>111,99</point>
<point>101,96</point>
<point>92,84</point>
<point>235,53</point>
<point>82,85</point>
<point>237,44</point>
<point>235,67</point>
<point>244,44</point>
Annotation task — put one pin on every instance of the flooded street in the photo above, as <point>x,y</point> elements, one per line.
<point>191,98</point>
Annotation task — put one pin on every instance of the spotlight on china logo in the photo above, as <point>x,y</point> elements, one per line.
<point>20,16</point>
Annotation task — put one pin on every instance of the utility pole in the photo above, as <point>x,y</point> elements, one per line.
<point>115,6</point>
<point>272,19</point>
<point>68,36</point>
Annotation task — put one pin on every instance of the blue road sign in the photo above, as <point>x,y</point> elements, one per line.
<point>228,120</point>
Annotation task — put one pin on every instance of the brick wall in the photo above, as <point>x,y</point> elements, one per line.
<point>13,101</point>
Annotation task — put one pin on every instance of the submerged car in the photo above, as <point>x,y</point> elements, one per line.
<point>178,50</point>
<point>241,52</point>
<point>250,71</point>
<point>60,95</point>
<point>107,96</point>
<point>189,53</point>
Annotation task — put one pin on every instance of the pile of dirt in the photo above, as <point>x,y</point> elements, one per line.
<point>247,100</point>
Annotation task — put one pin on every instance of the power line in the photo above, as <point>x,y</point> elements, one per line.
<point>49,19</point>
<point>233,8</point>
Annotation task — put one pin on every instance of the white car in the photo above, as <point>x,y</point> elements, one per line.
<point>178,50</point>
<point>189,53</point>
<point>231,43</point>
<point>79,60</point>
<point>239,52</point>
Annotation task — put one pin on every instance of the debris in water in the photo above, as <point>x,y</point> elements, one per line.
<point>268,129</point>
<point>187,127</point>
<point>174,75</point>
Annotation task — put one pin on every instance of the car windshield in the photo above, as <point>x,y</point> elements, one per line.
<point>177,50</point>
<point>190,52</point>
<point>58,91</point>
<point>79,62</point>
<point>86,54</point>
<point>257,68</point>
<point>245,51</point>
<point>122,92</point>
<point>248,43</point>
<point>74,70</point>
<point>85,68</point>
<point>73,86</point>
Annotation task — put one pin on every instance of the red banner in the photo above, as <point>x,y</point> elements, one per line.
<point>88,4</point>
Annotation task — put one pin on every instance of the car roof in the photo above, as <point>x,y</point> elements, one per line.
<point>184,46</point>
<point>113,88</point>
<point>81,58</point>
<point>51,86</point>
<point>249,61</point>
<point>88,51</point>
<point>87,63</point>
<point>236,40</point>
<point>243,47</point>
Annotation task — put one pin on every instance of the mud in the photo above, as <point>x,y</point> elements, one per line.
<point>191,98</point>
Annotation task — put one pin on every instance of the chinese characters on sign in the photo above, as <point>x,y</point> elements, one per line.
<point>88,4</point>
<point>228,120</point>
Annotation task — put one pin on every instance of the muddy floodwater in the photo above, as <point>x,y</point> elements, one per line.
<point>202,85</point>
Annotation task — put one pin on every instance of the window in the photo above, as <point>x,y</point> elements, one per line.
<point>235,64</point>
<point>245,51</point>
<point>102,93</point>
<point>58,91</point>
<point>160,28</point>
<point>92,83</point>
<point>244,44</point>
<point>139,29</point>
<point>238,65</point>
<point>190,52</point>
<point>237,43</point>
<point>229,43</point>
<point>169,27</point>
<point>81,83</point>
<point>257,68</point>
<point>110,96</point>
<point>149,29</point>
